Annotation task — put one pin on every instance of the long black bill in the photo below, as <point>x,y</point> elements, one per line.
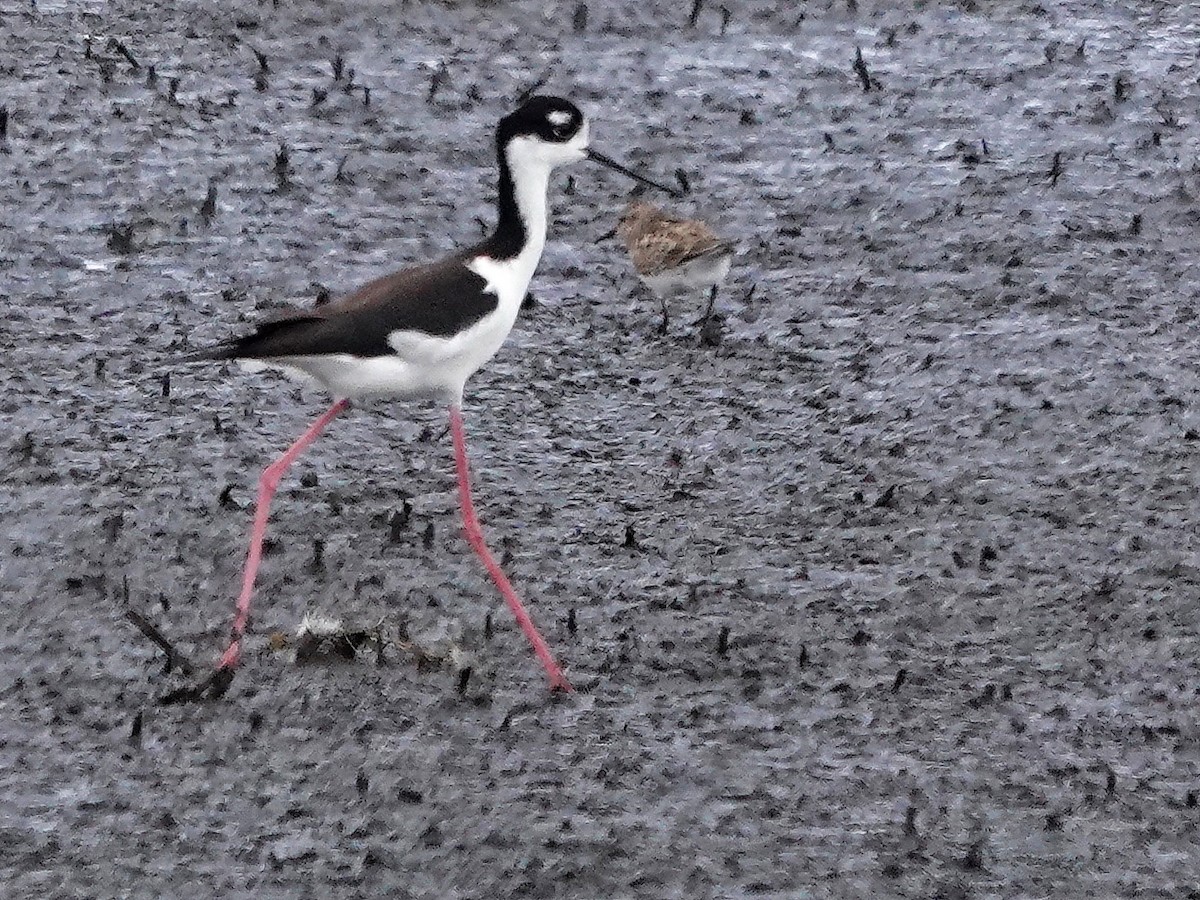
<point>595,156</point>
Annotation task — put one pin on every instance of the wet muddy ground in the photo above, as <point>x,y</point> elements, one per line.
<point>938,480</point>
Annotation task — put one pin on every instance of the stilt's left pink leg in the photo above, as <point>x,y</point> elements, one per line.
<point>267,486</point>
<point>558,681</point>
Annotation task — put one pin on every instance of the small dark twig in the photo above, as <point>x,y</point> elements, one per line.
<point>860,69</point>
<point>886,500</point>
<point>135,731</point>
<point>437,81</point>
<point>398,522</point>
<point>208,209</point>
<point>120,237</point>
<point>174,657</point>
<point>119,46</point>
<point>1056,169</point>
<point>261,82</point>
<point>723,641</point>
<point>281,164</point>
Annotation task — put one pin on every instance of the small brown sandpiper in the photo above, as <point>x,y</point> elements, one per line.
<point>673,255</point>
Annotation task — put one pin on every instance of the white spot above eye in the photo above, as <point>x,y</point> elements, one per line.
<point>558,117</point>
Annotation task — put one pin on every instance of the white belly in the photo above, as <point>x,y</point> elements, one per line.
<point>702,272</point>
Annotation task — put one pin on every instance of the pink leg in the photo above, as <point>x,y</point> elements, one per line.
<point>558,681</point>
<point>267,486</point>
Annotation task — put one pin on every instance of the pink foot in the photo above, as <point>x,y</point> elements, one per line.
<point>232,656</point>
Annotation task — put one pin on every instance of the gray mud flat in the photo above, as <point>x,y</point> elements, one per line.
<point>938,481</point>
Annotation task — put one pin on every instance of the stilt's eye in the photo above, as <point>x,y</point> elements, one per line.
<point>562,125</point>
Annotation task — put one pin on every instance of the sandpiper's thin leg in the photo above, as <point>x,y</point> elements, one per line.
<point>665,325</point>
<point>558,681</point>
<point>712,302</point>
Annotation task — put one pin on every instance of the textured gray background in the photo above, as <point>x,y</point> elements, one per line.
<point>1001,350</point>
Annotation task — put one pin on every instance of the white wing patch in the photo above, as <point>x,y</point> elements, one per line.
<point>558,117</point>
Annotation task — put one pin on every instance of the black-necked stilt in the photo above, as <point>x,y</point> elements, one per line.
<point>672,255</point>
<point>422,332</point>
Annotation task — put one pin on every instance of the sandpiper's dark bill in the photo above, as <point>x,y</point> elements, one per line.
<point>598,157</point>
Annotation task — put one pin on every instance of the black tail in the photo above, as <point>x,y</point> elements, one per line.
<point>250,346</point>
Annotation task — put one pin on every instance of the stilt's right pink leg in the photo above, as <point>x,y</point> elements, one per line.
<point>558,681</point>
